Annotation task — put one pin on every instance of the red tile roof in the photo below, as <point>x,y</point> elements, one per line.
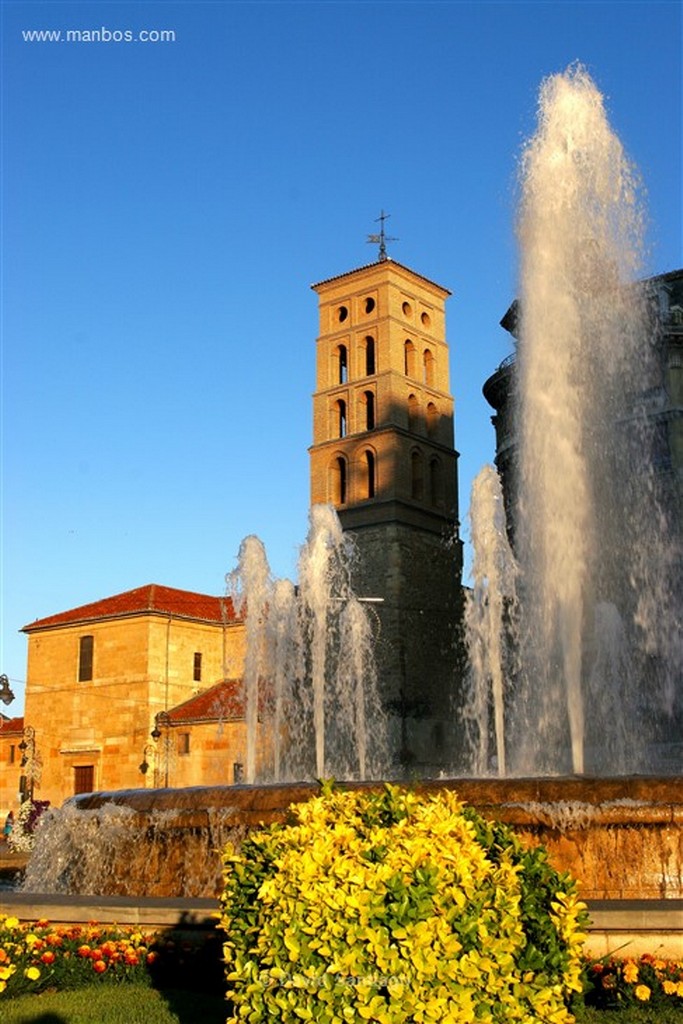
<point>222,702</point>
<point>148,600</point>
<point>10,725</point>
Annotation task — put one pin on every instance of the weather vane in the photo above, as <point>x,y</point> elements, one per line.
<point>381,239</point>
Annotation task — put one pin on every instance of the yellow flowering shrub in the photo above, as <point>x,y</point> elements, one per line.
<point>397,907</point>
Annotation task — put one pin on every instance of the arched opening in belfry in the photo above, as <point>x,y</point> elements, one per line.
<point>340,417</point>
<point>367,402</point>
<point>368,478</point>
<point>432,419</point>
<point>428,366</point>
<point>409,358</point>
<point>342,361</point>
<point>413,413</point>
<point>370,365</point>
<point>338,481</point>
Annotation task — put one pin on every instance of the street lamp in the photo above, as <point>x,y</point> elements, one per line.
<point>6,694</point>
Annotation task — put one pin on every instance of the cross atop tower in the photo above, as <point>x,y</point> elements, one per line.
<point>381,239</point>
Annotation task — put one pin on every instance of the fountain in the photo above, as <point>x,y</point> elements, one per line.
<point>595,634</point>
<point>312,703</point>
<point>548,696</point>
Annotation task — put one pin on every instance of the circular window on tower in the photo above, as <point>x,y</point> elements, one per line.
<point>426,320</point>
<point>407,309</point>
<point>342,314</point>
<point>369,304</point>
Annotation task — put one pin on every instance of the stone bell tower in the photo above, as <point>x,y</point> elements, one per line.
<point>383,454</point>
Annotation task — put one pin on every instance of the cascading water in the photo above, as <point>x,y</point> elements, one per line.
<point>252,578</point>
<point>312,703</point>
<point>490,610</point>
<point>598,642</point>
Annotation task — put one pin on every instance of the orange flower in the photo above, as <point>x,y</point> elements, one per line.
<point>48,957</point>
<point>84,950</point>
<point>99,966</point>
<point>630,972</point>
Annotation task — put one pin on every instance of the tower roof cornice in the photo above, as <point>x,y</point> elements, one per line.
<point>381,265</point>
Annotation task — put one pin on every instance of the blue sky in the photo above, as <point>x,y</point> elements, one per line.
<point>166,207</point>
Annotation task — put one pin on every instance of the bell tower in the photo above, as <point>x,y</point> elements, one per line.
<point>383,454</point>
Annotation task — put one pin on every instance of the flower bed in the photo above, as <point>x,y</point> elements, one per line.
<point>38,955</point>
<point>615,982</point>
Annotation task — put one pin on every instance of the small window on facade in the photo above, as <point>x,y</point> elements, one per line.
<point>12,753</point>
<point>85,658</point>
<point>84,778</point>
<point>197,667</point>
<point>369,304</point>
<point>237,772</point>
<point>369,356</point>
<point>343,364</point>
<point>342,314</point>
<point>183,743</point>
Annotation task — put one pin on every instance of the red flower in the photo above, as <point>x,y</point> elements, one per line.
<point>99,966</point>
<point>84,950</point>
<point>48,957</point>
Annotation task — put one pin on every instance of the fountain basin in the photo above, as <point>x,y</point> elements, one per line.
<point>621,838</point>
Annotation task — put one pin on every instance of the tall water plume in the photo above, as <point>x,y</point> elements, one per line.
<point>591,531</point>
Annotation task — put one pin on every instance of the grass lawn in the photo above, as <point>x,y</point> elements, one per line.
<point>138,1004</point>
<point>115,1004</point>
<point>630,1015</point>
